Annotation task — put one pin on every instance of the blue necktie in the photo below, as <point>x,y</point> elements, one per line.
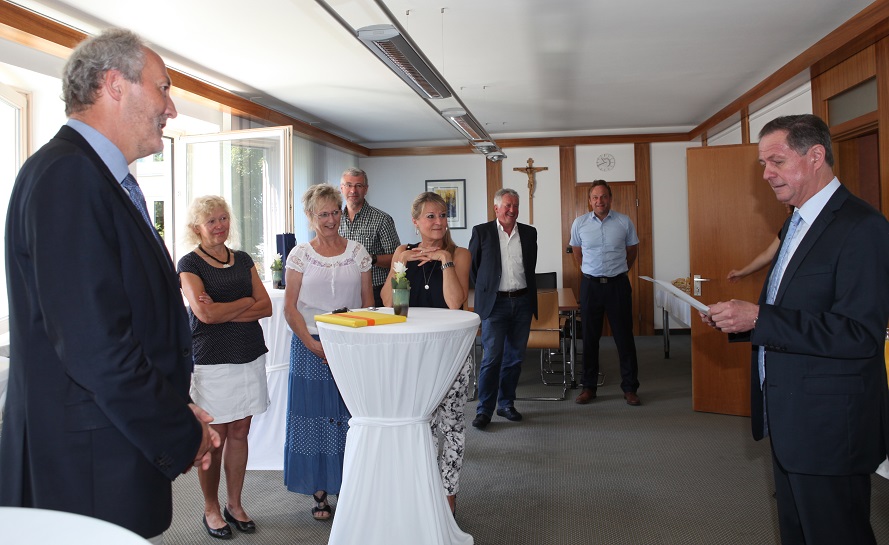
<point>783,256</point>
<point>774,282</point>
<point>132,186</point>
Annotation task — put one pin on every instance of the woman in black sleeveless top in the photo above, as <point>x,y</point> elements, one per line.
<point>438,271</point>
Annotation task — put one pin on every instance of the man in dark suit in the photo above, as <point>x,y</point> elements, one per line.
<point>504,258</point>
<point>98,417</point>
<point>818,384</point>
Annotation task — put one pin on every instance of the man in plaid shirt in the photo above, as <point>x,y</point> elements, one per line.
<point>369,226</point>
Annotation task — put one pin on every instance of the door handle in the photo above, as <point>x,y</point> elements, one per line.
<point>697,282</point>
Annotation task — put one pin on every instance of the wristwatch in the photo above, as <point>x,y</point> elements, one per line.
<point>373,259</point>
<point>447,265</point>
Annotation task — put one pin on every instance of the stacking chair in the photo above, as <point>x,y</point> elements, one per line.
<point>546,335</point>
<point>546,281</point>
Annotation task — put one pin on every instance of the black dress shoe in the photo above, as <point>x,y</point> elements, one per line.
<point>247,527</point>
<point>481,421</point>
<point>219,533</point>
<point>510,414</point>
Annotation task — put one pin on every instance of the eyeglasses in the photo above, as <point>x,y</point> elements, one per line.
<point>355,186</point>
<point>325,215</point>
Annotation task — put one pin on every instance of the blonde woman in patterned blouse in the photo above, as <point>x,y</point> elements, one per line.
<point>324,274</point>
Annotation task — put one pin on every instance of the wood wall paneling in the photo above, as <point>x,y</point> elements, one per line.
<point>745,125</point>
<point>567,180</point>
<point>847,74</point>
<point>882,63</point>
<point>644,291</point>
<point>494,172</point>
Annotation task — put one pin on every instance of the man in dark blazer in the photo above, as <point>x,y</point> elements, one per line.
<point>98,417</point>
<point>504,259</point>
<point>819,385</point>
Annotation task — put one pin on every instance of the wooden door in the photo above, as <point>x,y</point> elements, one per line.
<point>624,201</point>
<point>857,165</point>
<point>732,216</point>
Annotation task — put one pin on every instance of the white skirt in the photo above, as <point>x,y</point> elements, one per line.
<point>231,391</point>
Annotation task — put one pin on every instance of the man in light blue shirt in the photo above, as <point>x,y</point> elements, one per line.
<point>604,245</point>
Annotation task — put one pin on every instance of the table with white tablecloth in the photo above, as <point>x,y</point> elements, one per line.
<point>392,378</point>
<point>671,305</point>
<point>30,526</point>
<point>267,430</point>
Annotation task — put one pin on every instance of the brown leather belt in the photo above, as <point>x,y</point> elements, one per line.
<point>511,294</point>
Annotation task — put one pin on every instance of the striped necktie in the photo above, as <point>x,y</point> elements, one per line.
<point>783,256</point>
<point>132,186</point>
<point>771,293</point>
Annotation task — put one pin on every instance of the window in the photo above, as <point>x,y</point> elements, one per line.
<point>13,151</point>
<point>253,171</point>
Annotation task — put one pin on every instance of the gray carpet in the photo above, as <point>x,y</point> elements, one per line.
<point>604,473</point>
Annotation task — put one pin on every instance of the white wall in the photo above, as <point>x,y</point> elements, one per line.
<point>547,201</point>
<point>590,168</point>
<point>798,101</point>
<point>669,196</point>
<point>314,163</point>
<point>394,183</point>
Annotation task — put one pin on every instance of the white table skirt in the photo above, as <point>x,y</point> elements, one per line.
<point>392,378</point>
<point>678,309</point>
<point>267,430</point>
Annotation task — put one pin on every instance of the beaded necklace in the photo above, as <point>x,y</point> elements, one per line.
<point>228,256</point>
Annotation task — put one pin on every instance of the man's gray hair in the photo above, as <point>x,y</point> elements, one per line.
<point>115,49</point>
<point>498,197</point>
<point>352,171</point>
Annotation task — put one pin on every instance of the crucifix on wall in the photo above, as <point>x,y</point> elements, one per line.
<point>531,170</point>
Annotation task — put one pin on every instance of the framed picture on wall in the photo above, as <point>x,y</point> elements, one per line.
<point>454,193</point>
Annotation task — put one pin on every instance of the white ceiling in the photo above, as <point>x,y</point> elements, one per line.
<point>525,68</point>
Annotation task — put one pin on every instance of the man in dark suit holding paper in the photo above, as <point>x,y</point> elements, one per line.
<point>504,259</point>
<point>819,386</point>
<point>98,417</point>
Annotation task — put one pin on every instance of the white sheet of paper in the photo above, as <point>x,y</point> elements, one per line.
<point>883,470</point>
<point>679,293</point>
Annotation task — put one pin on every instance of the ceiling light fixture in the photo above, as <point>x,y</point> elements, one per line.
<point>400,55</point>
<point>392,45</point>
<point>484,147</point>
<point>464,122</point>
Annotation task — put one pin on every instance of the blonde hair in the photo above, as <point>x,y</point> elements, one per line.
<point>433,198</point>
<point>200,208</point>
<point>320,193</point>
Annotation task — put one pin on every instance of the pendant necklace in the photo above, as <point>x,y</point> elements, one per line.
<point>427,278</point>
<point>228,256</point>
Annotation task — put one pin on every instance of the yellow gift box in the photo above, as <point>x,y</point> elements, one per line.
<point>360,318</point>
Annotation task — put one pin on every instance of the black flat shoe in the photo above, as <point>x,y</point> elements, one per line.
<point>247,527</point>
<point>219,533</point>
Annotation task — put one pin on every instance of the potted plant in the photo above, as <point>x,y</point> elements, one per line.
<point>277,272</point>
<point>401,289</point>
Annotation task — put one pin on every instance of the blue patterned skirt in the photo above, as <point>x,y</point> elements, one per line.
<point>317,422</point>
